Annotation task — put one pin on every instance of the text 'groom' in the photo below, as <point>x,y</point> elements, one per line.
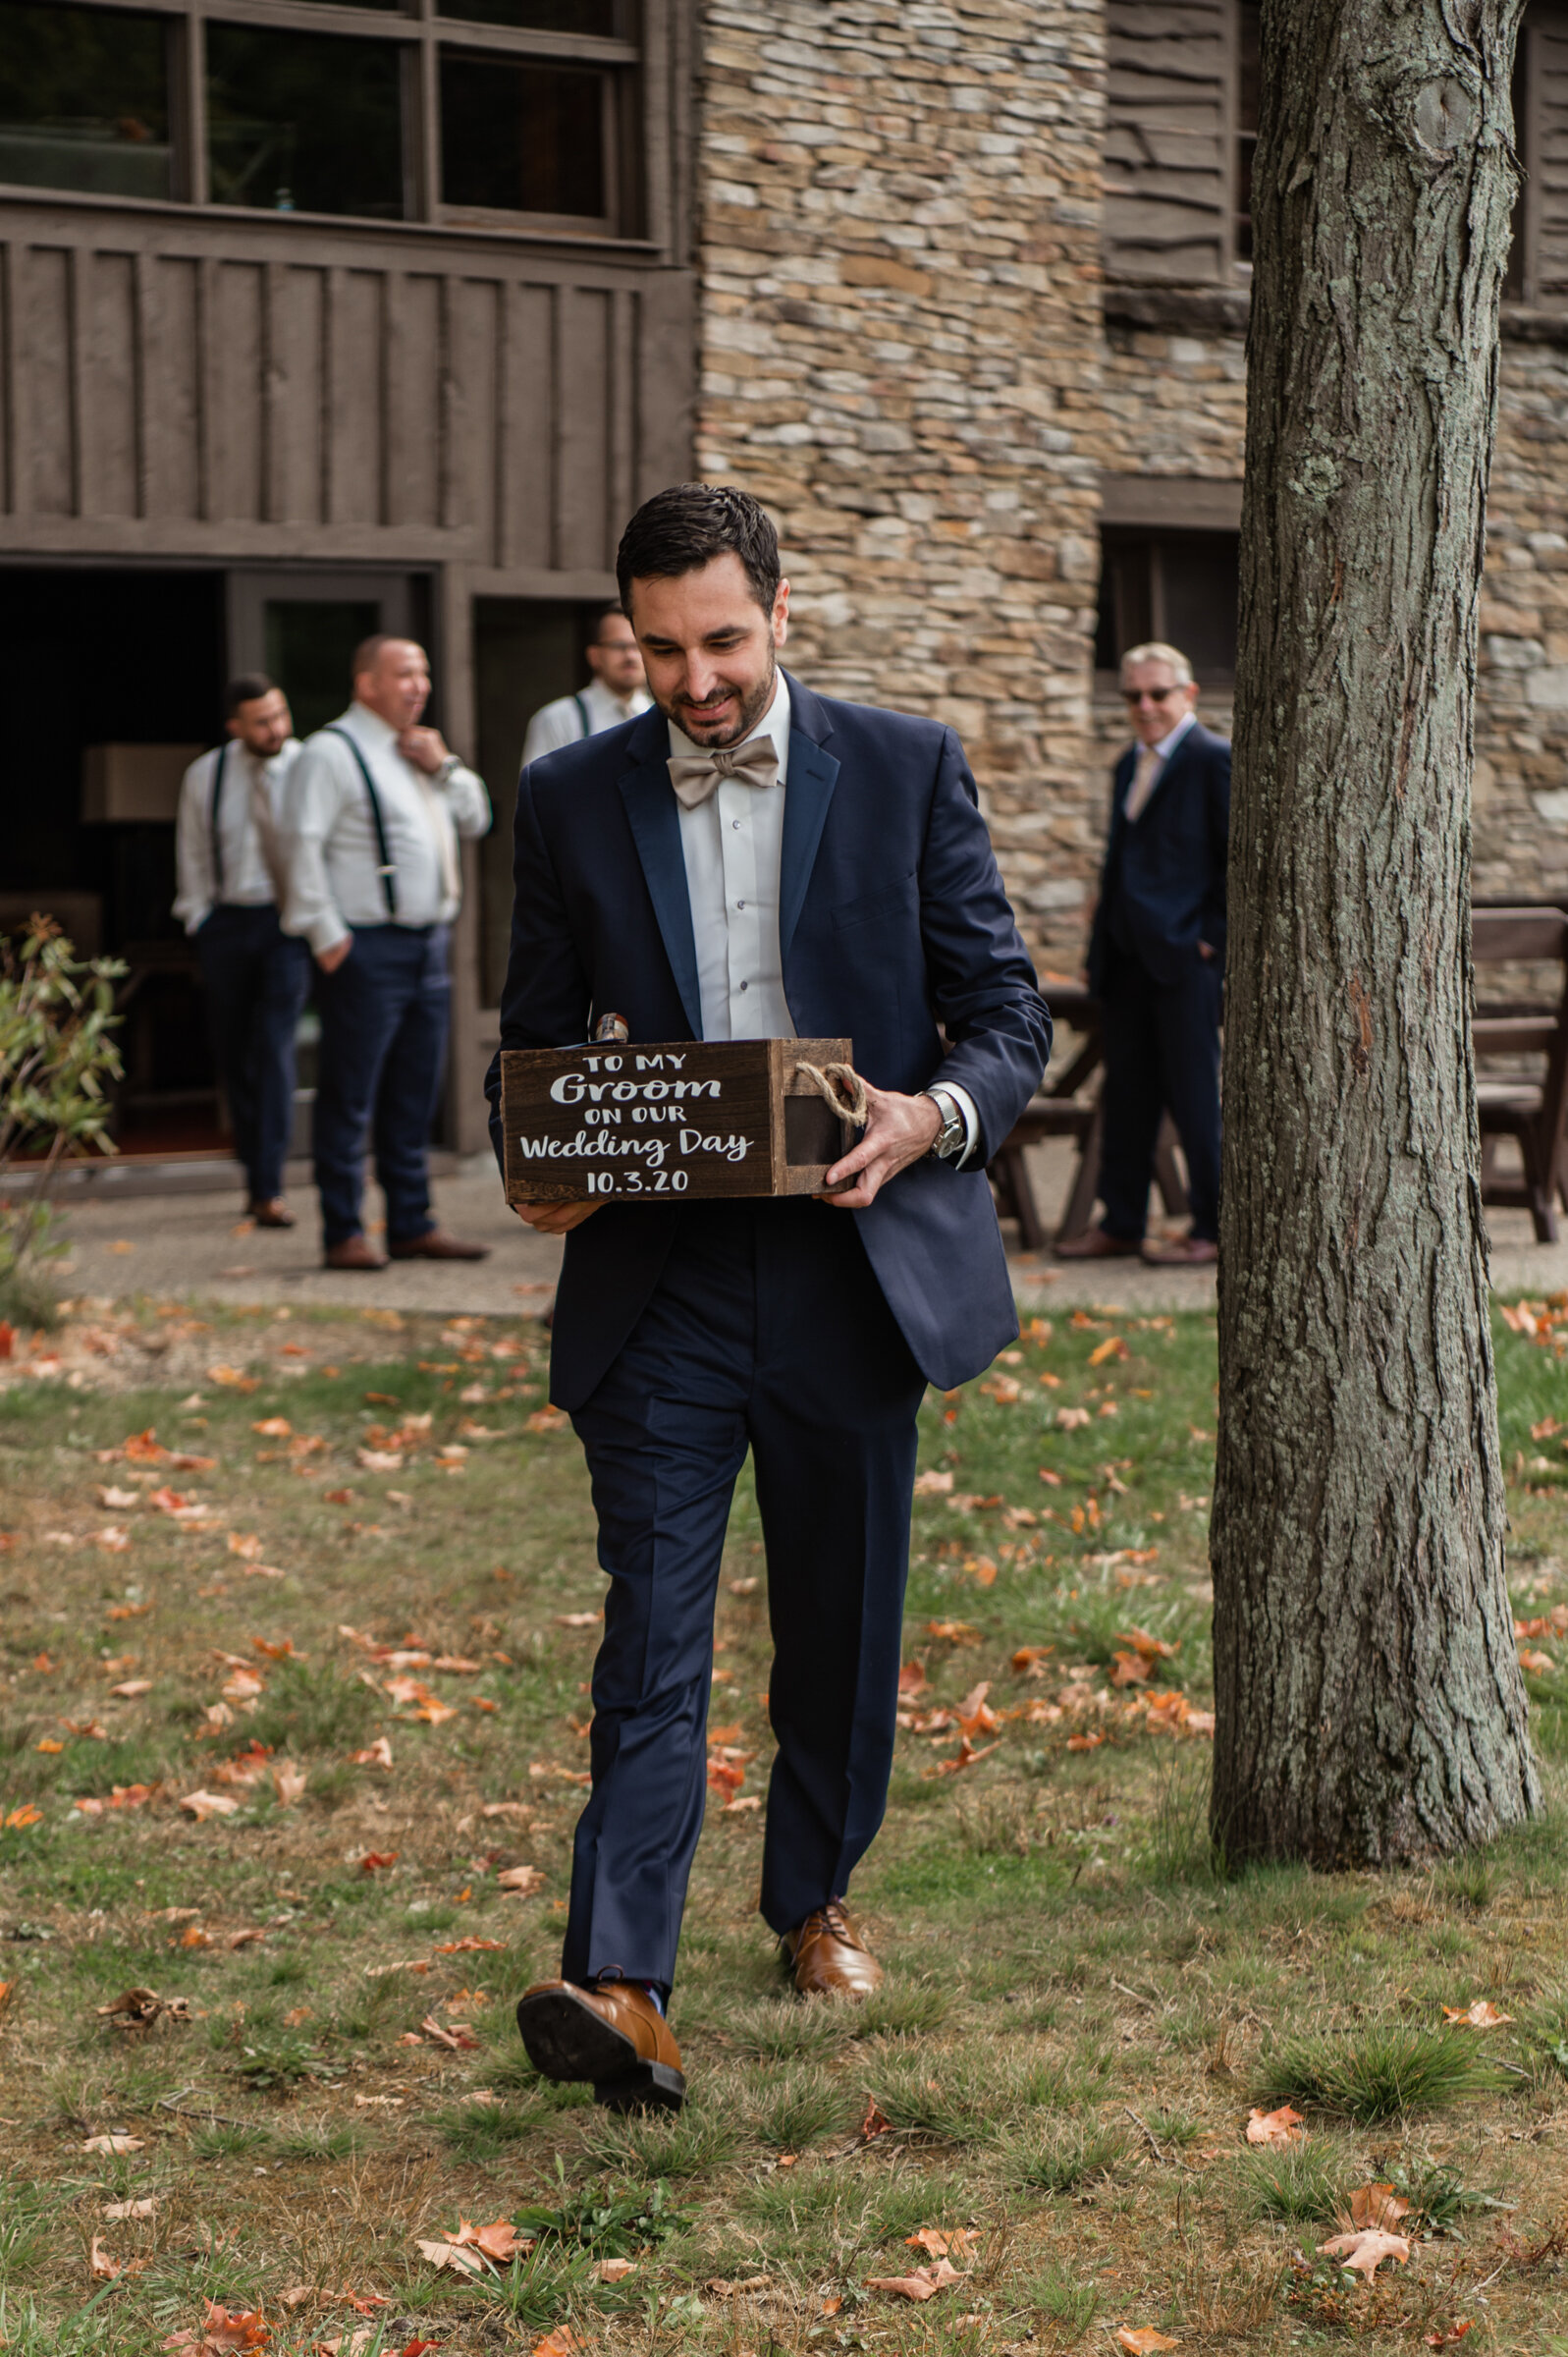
<point>749,860</point>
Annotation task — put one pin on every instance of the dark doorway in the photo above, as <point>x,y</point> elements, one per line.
<point>526,652</point>
<point>108,658</point>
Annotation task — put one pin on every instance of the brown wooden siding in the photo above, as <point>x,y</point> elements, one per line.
<point>240,389</point>
<point>1168,150</point>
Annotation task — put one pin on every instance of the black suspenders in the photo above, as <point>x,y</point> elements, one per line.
<point>217,798</point>
<point>582,715</point>
<point>386,870</point>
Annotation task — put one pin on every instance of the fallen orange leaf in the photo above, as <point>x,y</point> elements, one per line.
<point>1365,2251</point>
<point>1139,2340</point>
<point>1375,2205</point>
<point>1482,2014</point>
<point>923,2283</point>
<point>1283,2126</point>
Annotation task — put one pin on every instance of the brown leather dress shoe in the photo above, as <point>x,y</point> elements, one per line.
<point>274,1212</point>
<point>435,1246</point>
<point>354,1252</point>
<point>828,1958</point>
<point>614,2035</point>
<point>1188,1253</point>
<point>1098,1244</point>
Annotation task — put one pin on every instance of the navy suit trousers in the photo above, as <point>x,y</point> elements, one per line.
<point>258,982</point>
<point>766,1327</point>
<point>1161,1044</point>
<point>385,1018</point>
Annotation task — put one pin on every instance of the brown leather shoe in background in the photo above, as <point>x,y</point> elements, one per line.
<point>614,2035</point>
<point>1186,1252</point>
<point>828,1956</point>
<point>435,1246</point>
<point>1098,1244</point>
<point>354,1252</point>
<point>274,1212</point>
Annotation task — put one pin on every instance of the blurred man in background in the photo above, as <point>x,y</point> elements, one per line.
<point>616,693</point>
<point>231,884</point>
<point>375,809</point>
<point>1157,960</point>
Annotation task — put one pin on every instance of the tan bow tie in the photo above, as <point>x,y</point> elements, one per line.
<point>695,776</point>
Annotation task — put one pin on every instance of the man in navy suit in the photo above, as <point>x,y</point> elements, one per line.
<point>1156,959</point>
<point>751,860</point>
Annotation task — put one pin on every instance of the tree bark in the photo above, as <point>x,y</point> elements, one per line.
<point>1370,1703</point>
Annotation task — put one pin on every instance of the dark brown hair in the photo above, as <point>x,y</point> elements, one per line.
<point>249,688</point>
<point>683,528</point>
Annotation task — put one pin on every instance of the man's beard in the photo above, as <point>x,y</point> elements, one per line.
<point>752,707</point>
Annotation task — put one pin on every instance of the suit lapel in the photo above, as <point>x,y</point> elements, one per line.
<point>654,815</point>
<point>812,776</point>
<point>1174,765</point>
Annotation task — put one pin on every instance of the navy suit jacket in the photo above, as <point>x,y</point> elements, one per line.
<point>1164,886</point>
<point>891,920</point>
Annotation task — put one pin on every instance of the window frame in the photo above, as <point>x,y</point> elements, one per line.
<point>423,33</point>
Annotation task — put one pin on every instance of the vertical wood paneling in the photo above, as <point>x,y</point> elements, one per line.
<point>237,427</point>
<point>109,331</point>
<point>622,406</point>
<point>296,454</point>
<point>530,426</point>
<point>472,409</point>
<point>583,536</point>
<point>7,377</point>
<point>357,413</point>
<point>667,335</point>
<point>46,361</point>
<point>1168,159</point>
<point>415,363</point>
<point>172,377</point>
<point>1548,34</point>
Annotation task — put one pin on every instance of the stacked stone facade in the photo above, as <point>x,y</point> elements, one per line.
<point>901,356</point>
<point>909,354</point>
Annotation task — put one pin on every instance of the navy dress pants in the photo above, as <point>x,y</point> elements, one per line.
<point>258,982</point>
<point>767,1328</point>
<point>1161,1045</point>
<point>385,1017</point>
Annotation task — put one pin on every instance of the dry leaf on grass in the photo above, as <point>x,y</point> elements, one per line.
<point>140,2008</point>
<point>933,1484</point>
<point>1482,2014</point>
<point>562,2342</point>
<point>222,2332</point>
<point>875,2121</point>
<point>940,2242</point>
<point>289,1782</point>
<point>473,2250</point>
<point>615,2270</point>
<point>1374,2205</point>
<point>923,2285</point>
<point>147,2207</point>
<point>1139,2340</point>
<point>1366,2250</point>
<point>375,1755</point>
<point>1283,2126</point>
<point>115,2144</point>
<point>457,2040</point>
<point>521,1881</point>
<point>203,1805</point>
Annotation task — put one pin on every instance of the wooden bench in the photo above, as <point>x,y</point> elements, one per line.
<point>1530,1108</point>
<point>1063,1110</point>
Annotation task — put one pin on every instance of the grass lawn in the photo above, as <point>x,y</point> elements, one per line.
<point>355,1638</point>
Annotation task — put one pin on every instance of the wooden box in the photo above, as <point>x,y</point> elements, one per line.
<point>632,1122</point>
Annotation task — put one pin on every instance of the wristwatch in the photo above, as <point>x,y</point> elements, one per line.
<point>448,769</point>
<point>951,1138</point>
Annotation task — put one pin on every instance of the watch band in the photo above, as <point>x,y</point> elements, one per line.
<point>951,1138</point>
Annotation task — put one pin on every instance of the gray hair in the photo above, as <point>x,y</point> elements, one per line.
<point>1156,651</point>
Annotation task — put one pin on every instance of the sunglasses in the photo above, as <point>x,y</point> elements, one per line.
<point>1153,695</point>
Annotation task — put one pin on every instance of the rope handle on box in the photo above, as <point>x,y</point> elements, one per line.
<point>842,1088</point>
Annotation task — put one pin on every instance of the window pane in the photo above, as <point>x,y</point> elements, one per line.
<point>304,123</point>
<point>309,642</point>
<point>84,101</point>
<point>520,138</point>
<point>1198,578</point>
<point>538,16</point>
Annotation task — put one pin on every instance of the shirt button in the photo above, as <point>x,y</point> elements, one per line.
<point>740,904</point>
<point>736,824</point>
<point>746,985</point>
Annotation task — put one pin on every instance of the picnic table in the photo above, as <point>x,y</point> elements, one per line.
<point>1062,1109</point>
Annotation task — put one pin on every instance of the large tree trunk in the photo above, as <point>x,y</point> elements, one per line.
<point>1369,1702</point>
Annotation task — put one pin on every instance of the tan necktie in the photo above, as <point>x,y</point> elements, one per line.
<point>1144,778</point>
<point>446,834</point>
<point>695,776</point>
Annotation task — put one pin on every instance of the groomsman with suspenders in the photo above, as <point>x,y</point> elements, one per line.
<point>231,884</point>
<point>616,693</point>
<point>375,809</point>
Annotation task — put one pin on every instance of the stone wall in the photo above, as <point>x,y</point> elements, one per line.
<point>899,226</point>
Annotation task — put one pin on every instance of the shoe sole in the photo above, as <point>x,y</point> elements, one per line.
<point>566,2038</point>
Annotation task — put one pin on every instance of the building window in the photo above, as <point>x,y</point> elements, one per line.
<point>1249,13</point>
<point>84,101</point>
<point>304,123</point>
<point>522,138</point>
<point>592,17</point>
<point>1176,586</point>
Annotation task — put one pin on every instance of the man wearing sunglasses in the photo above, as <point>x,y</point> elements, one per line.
<point>1157,960</point>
